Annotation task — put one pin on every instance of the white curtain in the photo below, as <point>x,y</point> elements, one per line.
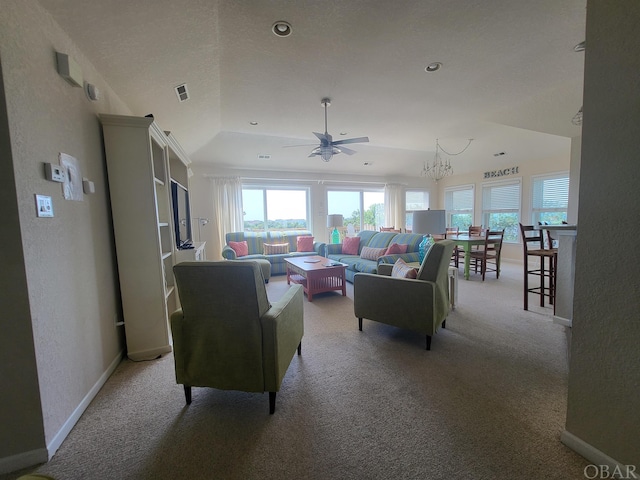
<point>227,207</point>
<point>394,206</point>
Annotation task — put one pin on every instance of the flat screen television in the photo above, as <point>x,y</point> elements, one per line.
<point>181,215</point>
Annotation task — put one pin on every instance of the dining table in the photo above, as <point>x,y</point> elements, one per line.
<point>467,241</point>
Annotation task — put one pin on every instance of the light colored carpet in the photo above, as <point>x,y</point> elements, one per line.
<point>487,402</point>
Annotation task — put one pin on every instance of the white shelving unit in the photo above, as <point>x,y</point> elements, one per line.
<point>141,160</point>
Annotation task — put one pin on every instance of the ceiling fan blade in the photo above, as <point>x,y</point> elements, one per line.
<point>346,150</point>
<point>305,145</point>
<point>321,136</point>
<point>352,140</point>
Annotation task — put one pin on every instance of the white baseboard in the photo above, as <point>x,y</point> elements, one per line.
<point>562,321</point>
<point>23,460</point>
<point>595,456</point>
<point>57,440</point>
<point>43,455</point>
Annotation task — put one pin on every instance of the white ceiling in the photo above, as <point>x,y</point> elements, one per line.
<point>510,78</point>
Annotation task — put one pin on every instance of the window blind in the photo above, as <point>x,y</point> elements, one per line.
<point>550,192</point>
<point>458,199</point>
<point>503,197</point>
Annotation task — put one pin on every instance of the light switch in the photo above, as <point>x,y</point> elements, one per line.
<point>44,206</point>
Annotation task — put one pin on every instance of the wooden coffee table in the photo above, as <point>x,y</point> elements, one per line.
<point>316,274</point>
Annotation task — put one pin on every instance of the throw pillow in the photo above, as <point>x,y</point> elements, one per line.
<point>402,270</point>
<point>370,253</point>
<point>276,248</point>
<point>396,248</point>
<point>305,244</point>
<point>350,245</point>
<point>241,248</point>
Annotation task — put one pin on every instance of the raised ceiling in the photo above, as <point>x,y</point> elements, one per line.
<point>510,77</point>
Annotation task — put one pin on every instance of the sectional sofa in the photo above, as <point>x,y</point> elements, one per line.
<point>373,240</point>
<point>256,247</point>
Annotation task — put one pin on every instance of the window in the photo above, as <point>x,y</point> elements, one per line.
<point>501,208</point>
<point>275,209</point>
<point>550,198</point>
<point>458,204</point>
<point>415,200</point>
<point>350,204</point>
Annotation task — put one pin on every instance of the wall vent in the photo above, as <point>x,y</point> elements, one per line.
<point>264,156</point>
<point>182,92</point>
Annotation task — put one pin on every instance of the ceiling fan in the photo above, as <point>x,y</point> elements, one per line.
<point>328,148</point>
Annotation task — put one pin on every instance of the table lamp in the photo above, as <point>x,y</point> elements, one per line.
<point>335,221</point>
<point>428,222</point>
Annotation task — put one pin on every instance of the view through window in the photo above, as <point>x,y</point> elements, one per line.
<point>350,204</point>
<point>267,208</point>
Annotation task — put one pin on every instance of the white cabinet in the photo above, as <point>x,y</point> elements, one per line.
<point>195,254</point>
<point>141,160</point>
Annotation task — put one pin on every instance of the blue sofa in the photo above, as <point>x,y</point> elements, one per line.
<point>373,239</point>
<point>255,243</point>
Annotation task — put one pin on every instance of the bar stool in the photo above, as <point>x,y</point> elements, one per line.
<point>547,286</point>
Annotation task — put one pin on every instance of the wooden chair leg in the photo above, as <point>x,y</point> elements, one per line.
<point>272,402</point>
<point>187,394</point>
<point>526,283</point>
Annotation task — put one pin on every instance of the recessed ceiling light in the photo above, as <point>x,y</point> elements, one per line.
<point>433,67</point>
<point>343,133</point>
<point>580,47</point>
<point>281,28</point>
<point>253,123</point>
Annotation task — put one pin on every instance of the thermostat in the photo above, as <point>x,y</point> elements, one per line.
<point>55,173</point>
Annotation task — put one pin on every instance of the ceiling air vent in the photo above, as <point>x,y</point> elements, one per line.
<point>264,156</point>
<point>181,91</point>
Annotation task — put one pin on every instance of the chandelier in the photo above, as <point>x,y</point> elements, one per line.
<point>439,168</point>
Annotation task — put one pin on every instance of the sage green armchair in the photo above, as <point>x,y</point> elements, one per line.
<point>227,335</point>
<point>420,305</point>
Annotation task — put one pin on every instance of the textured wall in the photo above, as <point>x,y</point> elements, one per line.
<point>20,412</point>
<point>71,284</point>
<point>604,379</point>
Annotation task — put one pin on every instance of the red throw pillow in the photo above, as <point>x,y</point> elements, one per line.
<point>241,248</point>
<point>396,248</point>
<point>350,245</point>
<point>305,244</point>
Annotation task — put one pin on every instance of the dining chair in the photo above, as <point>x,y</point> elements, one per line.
<point>457,252</point>
<point>475,229</point>
<point>533,246</point>
<point>488,257</point>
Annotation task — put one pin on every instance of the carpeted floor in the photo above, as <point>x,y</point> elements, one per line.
<point>487,402</point>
